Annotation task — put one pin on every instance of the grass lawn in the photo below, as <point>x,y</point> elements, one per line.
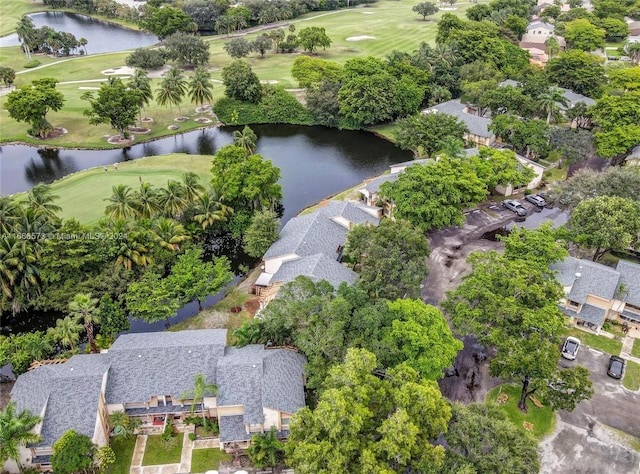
<point>635,351</point>
<point>82,194</point>
<point>632,376</point>
<point>203,460</point>
<point>159,452</point>
<point>601,343</point>
<point>392,24</point>
<point>12,10</point>
<point>543,419</point>
<point>388,131</point>
<point>123,449</point>
<point>81,134</point>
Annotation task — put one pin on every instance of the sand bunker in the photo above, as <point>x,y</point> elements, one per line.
<point>367,13</point>
<point>87,88</point>
<point>120,70</point>
<point>268,81</point>
<point>360,38</point>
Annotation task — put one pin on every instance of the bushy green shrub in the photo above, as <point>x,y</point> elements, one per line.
<point>146,59</point>
<point>192,436</point>
<point>32,63</point>
<point>275,106</point>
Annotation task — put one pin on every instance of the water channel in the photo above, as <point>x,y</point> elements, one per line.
<point>102,37</point>
<point>315,163</point>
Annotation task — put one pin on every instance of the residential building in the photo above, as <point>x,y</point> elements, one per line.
<point>311,245</point>
<point>538,32</point>
<point>634,26</point>
<point>146,374</point>
<point>370,193</point>
<point>478,126</point>
<point>596,292</point>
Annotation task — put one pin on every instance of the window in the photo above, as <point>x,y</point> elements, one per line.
<point>573,304</point>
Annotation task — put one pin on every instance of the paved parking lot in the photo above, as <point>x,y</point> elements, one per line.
<point>582,443</point>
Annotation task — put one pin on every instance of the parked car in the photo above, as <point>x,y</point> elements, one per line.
<point>570,348</point>
<point>536,199</point>
<point>616,367</point>
<point>515,206</point>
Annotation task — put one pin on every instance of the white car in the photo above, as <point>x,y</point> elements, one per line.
<point>570,348</point>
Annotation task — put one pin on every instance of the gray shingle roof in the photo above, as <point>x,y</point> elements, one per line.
<point>591,314</point>
<point>630,315</point>
<point>162,363</point>
<point>404,164</point>
<point>232,429</point>
<point>540,24</point>
<point>70,392</point>
<point>566,270</point>
<point>317,232</point>
<point>257,377</point>
<point>478,126</point>
<point>574,98</point>
<point>317,267</point>
<point>595,279</point>
<point>630,278</point>
<point>373,186</point>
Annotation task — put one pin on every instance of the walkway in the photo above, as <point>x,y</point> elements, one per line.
<point>183,467</point>
<point>627,345</point>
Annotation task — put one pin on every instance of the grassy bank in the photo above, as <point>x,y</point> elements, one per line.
<point>12,10</point>
<point>632,376</point>
<point>82,194</point>
<point>542,419</point>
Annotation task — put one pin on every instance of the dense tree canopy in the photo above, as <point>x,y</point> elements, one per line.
<point>510,301</point>
<point>579,71</point>
<point>434,195</point>
<point>32,102</point>
<point>73,452</point>
<point>481,440</point>
<point>425,133</point>
<point>307,70</point>
<point>582,34</point>
<point>617,124</point>
<point>186,49</point>
<point>165,21</point>
<point>115,104</point>
<point>240,82</point>
<point>313,37</point>
<point>364,423</point>
<point>391,258</point>
<point>606,223</point>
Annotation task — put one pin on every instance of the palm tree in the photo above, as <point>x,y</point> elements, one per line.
<point>26,30</point>
<point>19,275</point>
<point>121,203</point>
<point>192,186</point>
<point>245,139</point>
<point>552,46</point>
<point>210,209</point>
<point>67,331</point>
<point>140,82</point>
<point>84,308</point>
<point>41,198</point>
<point>145,201</point>
<point>172,198</point>
<point>200,389</point>
<point>83,42</point>
<point>123,425</point>
<point>134,250</point>
<point>169,233</point>
<point>200,87</point>
<point>552,101</point>
<point>172,89</point>
<point>265,450</point>
<point>452,146</point>
<point>15,430</point>
<point>10,213</point>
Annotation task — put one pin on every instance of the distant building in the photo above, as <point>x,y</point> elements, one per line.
<point>538,32</point>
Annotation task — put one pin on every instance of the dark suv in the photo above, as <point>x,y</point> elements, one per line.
<point>616,367</point>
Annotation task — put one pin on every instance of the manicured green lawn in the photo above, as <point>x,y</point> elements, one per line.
<point>601,343</point>
<point>543,419</point>
<point>82,194</point>
<point>203,460</point>
<point>123,449</point>
<point>12,10</point>
<point>81,134</point>
<point>632,375</point>
<point>635,351</point>
<point>159,452</point>
<point>388,130</point>
<point>392,24</point>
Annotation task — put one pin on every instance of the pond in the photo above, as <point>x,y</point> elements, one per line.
<point>315,163</point>
<point>102,37</point>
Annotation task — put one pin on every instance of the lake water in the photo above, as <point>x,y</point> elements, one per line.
<point>102,37</point>
<point>315,163</point>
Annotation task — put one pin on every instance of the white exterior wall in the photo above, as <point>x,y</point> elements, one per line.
<point>273,264</point>
<point>271,418</point>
